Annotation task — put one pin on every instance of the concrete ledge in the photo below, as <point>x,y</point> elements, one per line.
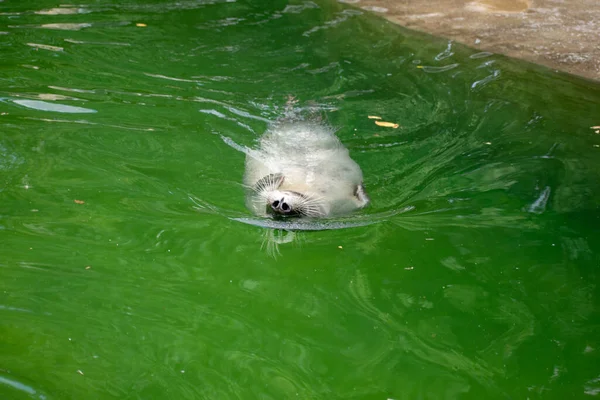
<point>560,34</point>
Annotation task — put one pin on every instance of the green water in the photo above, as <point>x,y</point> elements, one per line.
<point>123,275</point>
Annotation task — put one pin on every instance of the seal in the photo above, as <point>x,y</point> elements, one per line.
<point>301,168</point>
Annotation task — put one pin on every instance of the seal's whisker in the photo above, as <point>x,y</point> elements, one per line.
<point>268,183</point>
<point>312,205</point>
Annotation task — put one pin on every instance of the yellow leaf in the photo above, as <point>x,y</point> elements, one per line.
<point>373,117</point>
<point>387,124</point>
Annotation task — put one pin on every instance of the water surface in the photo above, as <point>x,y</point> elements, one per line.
<point>131,269</point>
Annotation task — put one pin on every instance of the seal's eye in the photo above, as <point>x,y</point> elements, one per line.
<point>275,203</point>
<point>285,207</point>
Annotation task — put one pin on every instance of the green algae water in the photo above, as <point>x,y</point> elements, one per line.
<point>131,269</point>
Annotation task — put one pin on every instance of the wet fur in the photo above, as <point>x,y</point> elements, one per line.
<point>303,164</point>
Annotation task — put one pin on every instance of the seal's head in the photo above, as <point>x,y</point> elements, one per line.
<point>287,203</point>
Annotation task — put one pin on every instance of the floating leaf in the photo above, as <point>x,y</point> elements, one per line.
<point>79,201</point>
<point>387,124</point>
<point>373,117</point>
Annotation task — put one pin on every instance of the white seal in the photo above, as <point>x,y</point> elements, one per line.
<point>301,168</point>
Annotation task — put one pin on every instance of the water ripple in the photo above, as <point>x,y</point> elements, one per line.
<point>446,53</point>
<point>64,11</point>
<point>338,19</point>
<point>477,85</point>
<point>53,107</point>
<point>296,9</point>
<point>482,54</point>
<point>65,26</point>
<point>435,70</point>
<point>45,47</point>
<point>21,387</point>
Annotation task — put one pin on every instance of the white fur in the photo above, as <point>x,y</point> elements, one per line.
<point>312,161</point>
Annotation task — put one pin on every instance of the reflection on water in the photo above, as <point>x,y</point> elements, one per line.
<point>131,267</point>
<point>64,10</point>
<point>54,107</point>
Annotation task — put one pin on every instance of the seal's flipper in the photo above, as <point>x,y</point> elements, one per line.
<point>269,182</point>
<point>362,198</point>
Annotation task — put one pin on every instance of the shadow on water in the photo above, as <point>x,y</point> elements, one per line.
<point>132,269</point>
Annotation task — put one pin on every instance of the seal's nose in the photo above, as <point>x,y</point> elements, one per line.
<point>280,206</point>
